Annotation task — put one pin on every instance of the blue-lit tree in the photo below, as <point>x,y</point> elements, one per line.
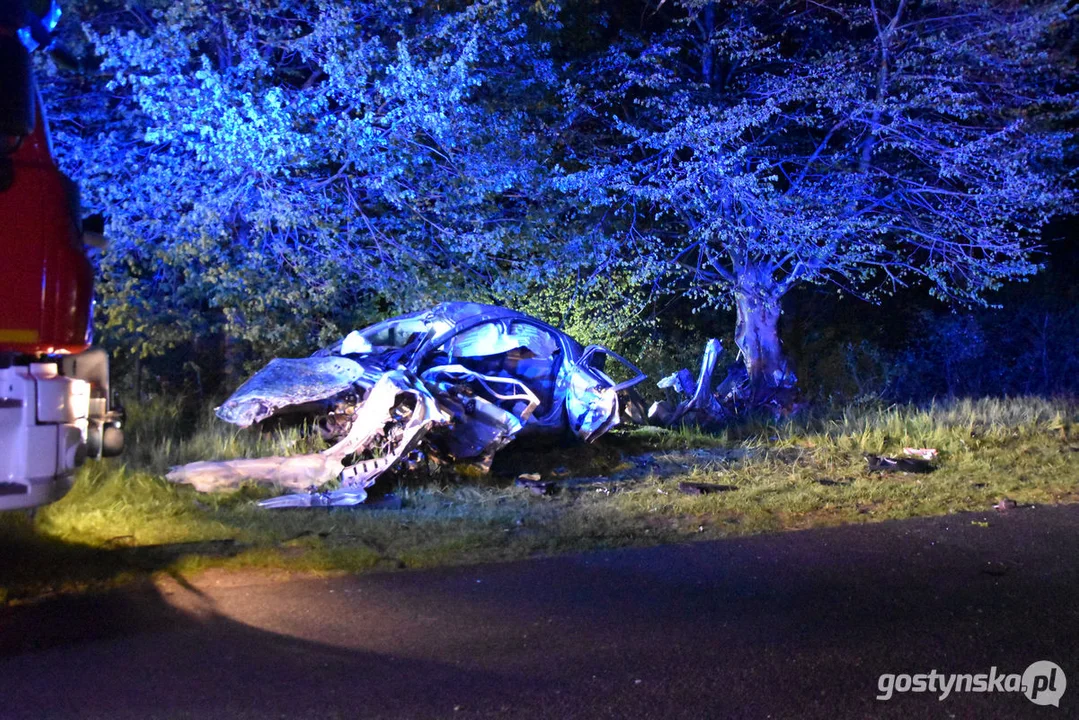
<point>269,167</point>
<point>756,146</point>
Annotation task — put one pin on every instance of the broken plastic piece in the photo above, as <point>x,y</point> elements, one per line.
<point>681,381</point>
<point>921,453</point>
<point>890,464</point>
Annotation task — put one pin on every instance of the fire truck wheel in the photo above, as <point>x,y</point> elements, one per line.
<point>112,441</point>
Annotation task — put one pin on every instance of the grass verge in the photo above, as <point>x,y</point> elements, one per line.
<point>123,520</point>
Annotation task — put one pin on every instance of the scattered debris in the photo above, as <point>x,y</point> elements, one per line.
<point>708,406</point>
<point>664,462</point>
<point>634,409</point>
<point>880,463</point>
<point>926,454</point>
<point>682,381</point>
<point>459,381</point>
<point>700,407</point>
<point>305,534</point>
<point>643,461</point>
<point>1005,504</point>
<point>535,484</point>
<point>693,488</point>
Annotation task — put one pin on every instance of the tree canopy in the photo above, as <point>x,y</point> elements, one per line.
<point>276,168</point>
<point>273,170</point>
<point>864,145</point>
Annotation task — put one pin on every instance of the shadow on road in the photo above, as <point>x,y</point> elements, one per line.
<point>135,653</point>
<point>34,565</point>
<point>789,625</point>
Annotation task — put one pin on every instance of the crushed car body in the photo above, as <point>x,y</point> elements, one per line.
<point>456,382</point>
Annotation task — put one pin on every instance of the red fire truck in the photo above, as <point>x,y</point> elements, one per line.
<point>55,407</point>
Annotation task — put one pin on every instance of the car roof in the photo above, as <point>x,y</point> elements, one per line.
<point>454,315</point>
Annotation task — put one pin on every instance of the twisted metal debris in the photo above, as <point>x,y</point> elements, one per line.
<point>457,382</point>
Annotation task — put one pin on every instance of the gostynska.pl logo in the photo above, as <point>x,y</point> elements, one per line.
<point>1042,683</point>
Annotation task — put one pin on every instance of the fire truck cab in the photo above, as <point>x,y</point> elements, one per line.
<point>55,407</point>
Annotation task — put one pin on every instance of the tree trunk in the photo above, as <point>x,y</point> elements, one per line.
<point>757,337</point>
<point>233,360</point>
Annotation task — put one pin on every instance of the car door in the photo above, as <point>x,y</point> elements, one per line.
<point>591,398</point>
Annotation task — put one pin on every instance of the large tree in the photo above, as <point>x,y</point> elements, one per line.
<point>861,144</point>
<point>272,168</point>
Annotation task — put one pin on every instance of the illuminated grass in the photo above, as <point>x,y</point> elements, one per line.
<point>123,520</point>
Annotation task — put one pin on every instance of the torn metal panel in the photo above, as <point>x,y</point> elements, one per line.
<point>299,472</point>
<point>700,407</point>
<point>487,411</point>
<point>397,413</point>
<point>461,380</point>
<point>592,400</point>
<point>493,339</point>
<point>285,382</point>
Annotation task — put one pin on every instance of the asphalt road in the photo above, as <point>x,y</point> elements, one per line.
<point>797,625</point>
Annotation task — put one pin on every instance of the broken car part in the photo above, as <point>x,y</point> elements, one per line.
<point>456,382</point>
<point>700,407</point>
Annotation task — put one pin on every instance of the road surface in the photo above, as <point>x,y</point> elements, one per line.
<point>795,625</point>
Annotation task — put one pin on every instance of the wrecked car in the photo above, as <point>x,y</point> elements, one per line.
<point>457,382</point>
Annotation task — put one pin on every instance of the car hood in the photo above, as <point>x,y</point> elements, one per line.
<point>289,381</point>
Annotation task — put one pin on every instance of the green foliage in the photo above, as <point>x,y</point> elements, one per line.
<point>281,172</point>
<point>606,307</point>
